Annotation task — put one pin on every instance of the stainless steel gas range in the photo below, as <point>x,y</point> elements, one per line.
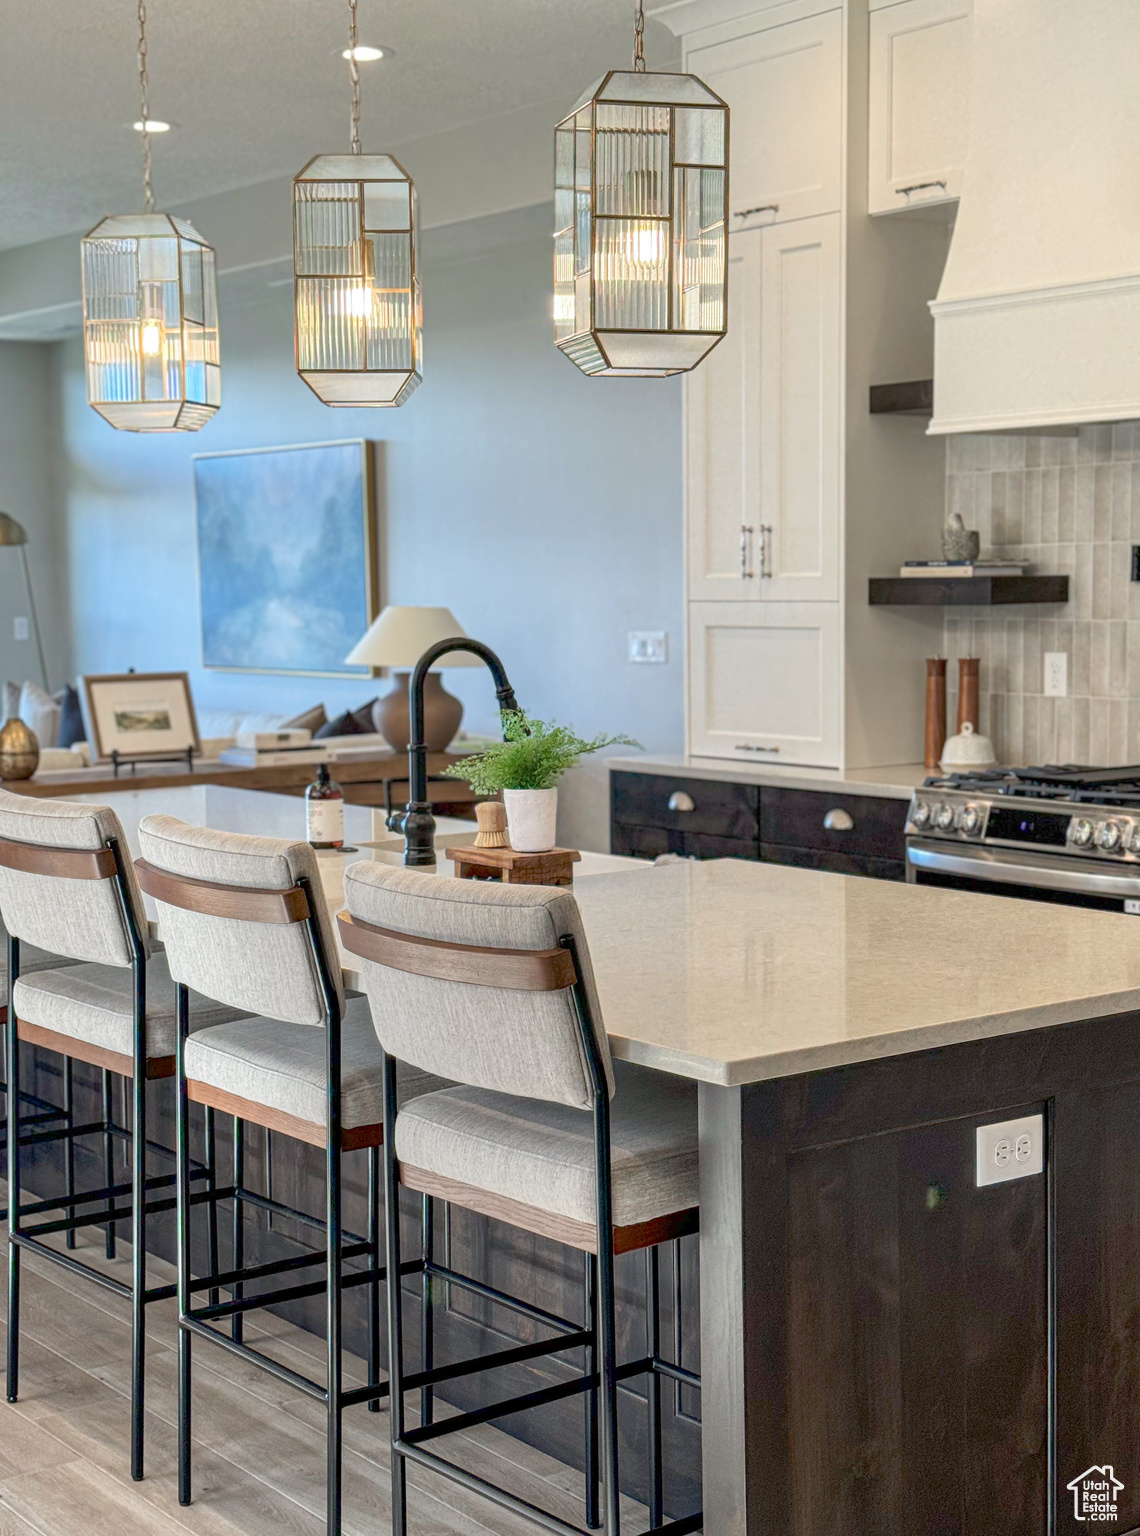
<point>1050,834</point>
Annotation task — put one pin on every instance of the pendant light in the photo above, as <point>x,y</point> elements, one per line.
<point>150,311</point>
<point>641,210</point>
<point>357,285</point>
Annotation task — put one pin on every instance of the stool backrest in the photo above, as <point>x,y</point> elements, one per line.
<point>61,887</point>
<point>508,1021</point>
<point>242,950</point>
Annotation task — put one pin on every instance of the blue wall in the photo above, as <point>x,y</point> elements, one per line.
<point>542,507</point>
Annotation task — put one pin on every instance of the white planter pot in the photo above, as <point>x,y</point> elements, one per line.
<point>531,817</point>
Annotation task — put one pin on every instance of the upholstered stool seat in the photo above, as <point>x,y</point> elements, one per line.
<point>542,1154</point>
<point>94,1004</point>
<point>282,1067</point>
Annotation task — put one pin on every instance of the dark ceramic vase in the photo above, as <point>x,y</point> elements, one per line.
<point>442,714</point>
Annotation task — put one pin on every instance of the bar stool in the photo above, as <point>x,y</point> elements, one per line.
<point>244,921</point>
<point>67,886</point>
<point>491,985</point>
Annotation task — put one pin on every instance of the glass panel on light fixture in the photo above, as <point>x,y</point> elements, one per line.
<point>642,248</point>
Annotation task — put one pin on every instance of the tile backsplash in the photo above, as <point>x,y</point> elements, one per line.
<point>1069,505</point>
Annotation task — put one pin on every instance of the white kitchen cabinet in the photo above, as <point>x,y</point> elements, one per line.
<point>784,88</point>
<point>764,682</point>
<point>763,424</point>
<point>919,103</point>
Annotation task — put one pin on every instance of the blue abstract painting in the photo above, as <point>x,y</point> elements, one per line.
<point>285,557</point>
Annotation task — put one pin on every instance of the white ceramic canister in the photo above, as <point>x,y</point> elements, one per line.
<point>967,750</point>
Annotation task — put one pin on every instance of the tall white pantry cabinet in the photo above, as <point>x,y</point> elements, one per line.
<point>794,494</point>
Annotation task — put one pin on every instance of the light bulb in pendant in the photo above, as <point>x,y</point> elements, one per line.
<point>151,339</point>
<point>358,300</point>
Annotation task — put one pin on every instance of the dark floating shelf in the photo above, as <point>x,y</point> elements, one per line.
<point>914,398</point>
<point>966,591</point>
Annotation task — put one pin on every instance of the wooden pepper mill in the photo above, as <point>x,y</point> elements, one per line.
<point>968,691</point>
<point>935,710</point>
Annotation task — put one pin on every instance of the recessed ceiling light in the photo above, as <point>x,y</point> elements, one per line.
<point>152,125</point>
<point>366,54</point>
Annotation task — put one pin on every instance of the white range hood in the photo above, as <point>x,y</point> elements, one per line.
<point>1037,321</point>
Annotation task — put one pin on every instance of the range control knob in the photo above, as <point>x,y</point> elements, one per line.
<point>1108,836</point>
<point>920,816</point>
<point>1135,843</point>
<point>970,819</point>
<point>944,817</point>
<point>1081,832</point>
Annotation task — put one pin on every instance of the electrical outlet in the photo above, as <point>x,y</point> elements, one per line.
<point>648,645</point>
<point>20,627</point>
<point>1010,1149</point>
<point>1056,674</point>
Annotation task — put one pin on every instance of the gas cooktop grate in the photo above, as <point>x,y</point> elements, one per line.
<point>1071,783</point>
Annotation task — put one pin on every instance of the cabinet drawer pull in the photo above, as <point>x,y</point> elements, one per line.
<point>765,549</point>
<point>838,820</point>
<point>746,533</point>
<point>744,746</point>
<point>680,801</point>
<point>747,213</point>
<point>920,186</point>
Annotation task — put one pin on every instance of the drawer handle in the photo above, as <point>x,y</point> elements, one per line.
<point>920,186</point>
<point>744,746</point>
<point>747,213</point>
<point>680,801</point>
<point>838,820</point>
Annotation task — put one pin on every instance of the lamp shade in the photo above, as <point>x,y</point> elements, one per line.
<point>400,636</point>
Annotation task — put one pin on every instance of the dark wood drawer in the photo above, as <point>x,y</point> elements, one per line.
<point>719,810</point>
<point>834,863</point>
<point>794,818</point>
<point>651,842</point>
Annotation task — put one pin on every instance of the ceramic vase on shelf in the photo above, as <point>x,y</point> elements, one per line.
<point>531,817</point>
<point>19,750</point>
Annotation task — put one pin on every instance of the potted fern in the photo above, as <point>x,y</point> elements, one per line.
<point>526,767</point>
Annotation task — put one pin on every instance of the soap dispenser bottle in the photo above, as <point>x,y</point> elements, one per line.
<point>324,811</point>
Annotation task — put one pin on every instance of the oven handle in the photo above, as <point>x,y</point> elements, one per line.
<point>1008,867</point>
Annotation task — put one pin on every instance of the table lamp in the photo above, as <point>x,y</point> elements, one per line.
<point>398,638</point>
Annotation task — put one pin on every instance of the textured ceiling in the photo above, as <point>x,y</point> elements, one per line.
<point>258,86</point>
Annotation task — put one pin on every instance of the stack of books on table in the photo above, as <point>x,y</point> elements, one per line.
<point>943,568</point>
<point>275,749</point>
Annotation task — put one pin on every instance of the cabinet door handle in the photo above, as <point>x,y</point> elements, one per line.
<point>838,820</point>
<point>765,550</point>
<point>748,213</point>
<point>680,801</point>
<point>746,532</point>
<point>920,186</point>
<point>744,746</point>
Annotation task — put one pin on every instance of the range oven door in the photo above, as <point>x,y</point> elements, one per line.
<point>1032,876</point>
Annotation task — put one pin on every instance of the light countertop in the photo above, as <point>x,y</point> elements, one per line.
<point>893,782</point>
<point>733,972</point>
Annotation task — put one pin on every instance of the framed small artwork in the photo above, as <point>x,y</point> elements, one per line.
<point>140,714</point>
<point>287,557</point>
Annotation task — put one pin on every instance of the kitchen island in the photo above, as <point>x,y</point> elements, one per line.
<point>886,1347</point>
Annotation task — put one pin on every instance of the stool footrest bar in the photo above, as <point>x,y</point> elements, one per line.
<point>555,1394</point>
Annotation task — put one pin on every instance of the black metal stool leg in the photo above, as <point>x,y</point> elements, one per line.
<point>138,1270</point>
<point>593,1517</point>
<point>239,1221</point>
<point>69,1153</point>
<point>185,1337</point>
<point>653,1385</point>
<point>13,1067</point>
<point>395,1304</point>
<point>212,1205</point>
<point>108,1156</point>
<point>375,1259</point>
<point>335,1405</point>
<point>427,1395</point>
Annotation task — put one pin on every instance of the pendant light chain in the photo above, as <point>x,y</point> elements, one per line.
<point>148,192</point>
<point>354,76</point>
<point>639,38</point>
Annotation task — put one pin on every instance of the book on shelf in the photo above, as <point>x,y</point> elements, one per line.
<point>942,568</point>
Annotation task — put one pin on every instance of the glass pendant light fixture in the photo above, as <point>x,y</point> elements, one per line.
<point>356,281</point>
<point>150,311</point>
<point>641,211</point>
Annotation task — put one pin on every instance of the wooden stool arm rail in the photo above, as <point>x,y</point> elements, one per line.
<point>243,903</point>
<point>63,863</point>
<point>520,970</point>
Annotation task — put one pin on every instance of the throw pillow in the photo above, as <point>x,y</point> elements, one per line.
<point>312,720</point>
<point>71,727</point>
<point>354,722</point>
<point>40,713</point>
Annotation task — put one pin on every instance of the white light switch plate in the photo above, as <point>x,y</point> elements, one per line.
<point>1010,1149</point>
<point>1056,674</point>
<point>648,645</point>
<point>20,627</point>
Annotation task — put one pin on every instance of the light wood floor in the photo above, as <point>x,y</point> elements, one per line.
<point>258,1452</point>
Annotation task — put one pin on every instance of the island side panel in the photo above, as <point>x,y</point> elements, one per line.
<point>893,1346</point>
